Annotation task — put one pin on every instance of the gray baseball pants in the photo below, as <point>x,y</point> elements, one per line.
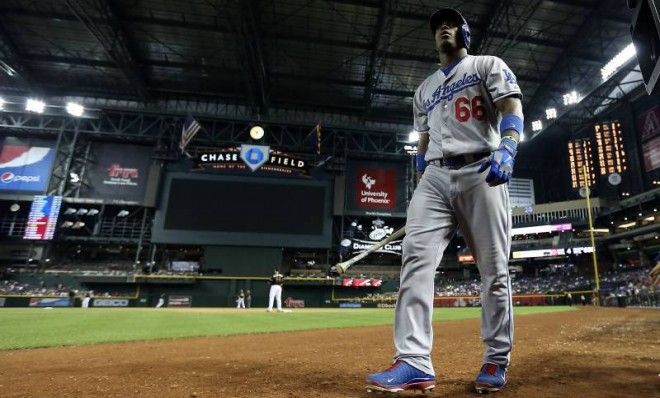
<point>444,200</point>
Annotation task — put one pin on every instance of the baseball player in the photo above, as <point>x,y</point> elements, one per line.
<point>469,116</point>
<point>240,299</point>
<point>86,300</point>
<point>161,301</point>
<point>275,291</point>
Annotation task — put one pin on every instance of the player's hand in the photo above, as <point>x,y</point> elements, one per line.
<point>501,167</point>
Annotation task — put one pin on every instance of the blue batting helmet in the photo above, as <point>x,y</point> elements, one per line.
<point>450,14</point>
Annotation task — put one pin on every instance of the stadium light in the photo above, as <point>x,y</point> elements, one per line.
<point>34,105</point>
<point>627,225</point>
<point>2,103</point>
<point>551,113</point>
<point>123,213</point>
<point>75,178</point>
<point>70,211</point>
<point>74,109</point>
<point>537,125</point>
<point>522,137</point>
<point>81,212</point>
<point>413,136</point>
<point>615,63</point>
<point>570,98</point>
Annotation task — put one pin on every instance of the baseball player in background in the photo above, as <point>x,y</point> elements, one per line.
<point>469,116</point>
<point>275,293</point>
<point>161,301</point>
<point>240,299</point>
<point>86,300</point>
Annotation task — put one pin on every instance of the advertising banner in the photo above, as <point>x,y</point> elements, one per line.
<point>651,154</point>
<point>110,302</point>
<point>260,158</point>
<point>361,282</point>
<point>49,302</point>
<point>184,266</point>
<point>648,123</point>
<point>376,188</point>
<point>179,301</point>
<point>117,172</point>
<point>648,128</point>
<point>358,238</point>
<point>25,167</point>
<point>290,302</point>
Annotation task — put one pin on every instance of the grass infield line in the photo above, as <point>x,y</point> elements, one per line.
<point>37,327</point>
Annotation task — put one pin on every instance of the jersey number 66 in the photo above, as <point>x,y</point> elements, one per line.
<point>464,109</point>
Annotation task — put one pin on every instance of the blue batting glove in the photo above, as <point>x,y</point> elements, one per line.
<point>501,166</point>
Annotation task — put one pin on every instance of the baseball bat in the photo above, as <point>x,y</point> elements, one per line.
<point>340,268</point>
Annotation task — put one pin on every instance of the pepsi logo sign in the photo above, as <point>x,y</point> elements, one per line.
<point>8,177</point>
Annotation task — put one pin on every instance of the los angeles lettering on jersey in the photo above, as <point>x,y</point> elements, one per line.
<point>447,91</point>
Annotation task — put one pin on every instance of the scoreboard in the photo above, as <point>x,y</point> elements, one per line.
<point>43,217</point>
<point>609,144</point>
<point>579,154</point>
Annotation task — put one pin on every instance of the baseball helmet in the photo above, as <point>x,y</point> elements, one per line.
<point>450,14</point>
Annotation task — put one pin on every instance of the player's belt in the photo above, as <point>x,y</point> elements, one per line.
<point>456,162</point>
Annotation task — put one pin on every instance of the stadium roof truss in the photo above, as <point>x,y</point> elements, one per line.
<point>350,65</point>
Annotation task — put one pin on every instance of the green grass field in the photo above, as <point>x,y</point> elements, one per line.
<point>36,327</point>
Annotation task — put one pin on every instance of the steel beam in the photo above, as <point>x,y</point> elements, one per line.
<point>110,34</point>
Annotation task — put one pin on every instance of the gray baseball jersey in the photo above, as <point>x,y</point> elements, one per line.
<point>455,105</point>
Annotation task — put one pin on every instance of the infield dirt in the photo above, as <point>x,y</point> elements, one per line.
<point>592,352</point>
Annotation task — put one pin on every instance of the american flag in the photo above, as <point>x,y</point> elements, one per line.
<point>190,128</point>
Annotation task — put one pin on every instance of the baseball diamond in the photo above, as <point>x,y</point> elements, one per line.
<point>329,198</point>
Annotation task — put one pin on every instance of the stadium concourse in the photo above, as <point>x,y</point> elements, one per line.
<point>167,168</point>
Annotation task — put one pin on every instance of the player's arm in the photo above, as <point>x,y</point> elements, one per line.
<point>511,128</point>
<point>420,122</point>
<point>422,147</point>
<point>503,88</point>
<point>510,108</point>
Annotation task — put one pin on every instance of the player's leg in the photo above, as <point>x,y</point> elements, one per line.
<point>430,226</point>
<point>278,297</point>
<point>485,221</point>
<point>271,297</point>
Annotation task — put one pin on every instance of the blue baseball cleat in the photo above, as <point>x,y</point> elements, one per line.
<point>399,377</point>
<point>491,378</point>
